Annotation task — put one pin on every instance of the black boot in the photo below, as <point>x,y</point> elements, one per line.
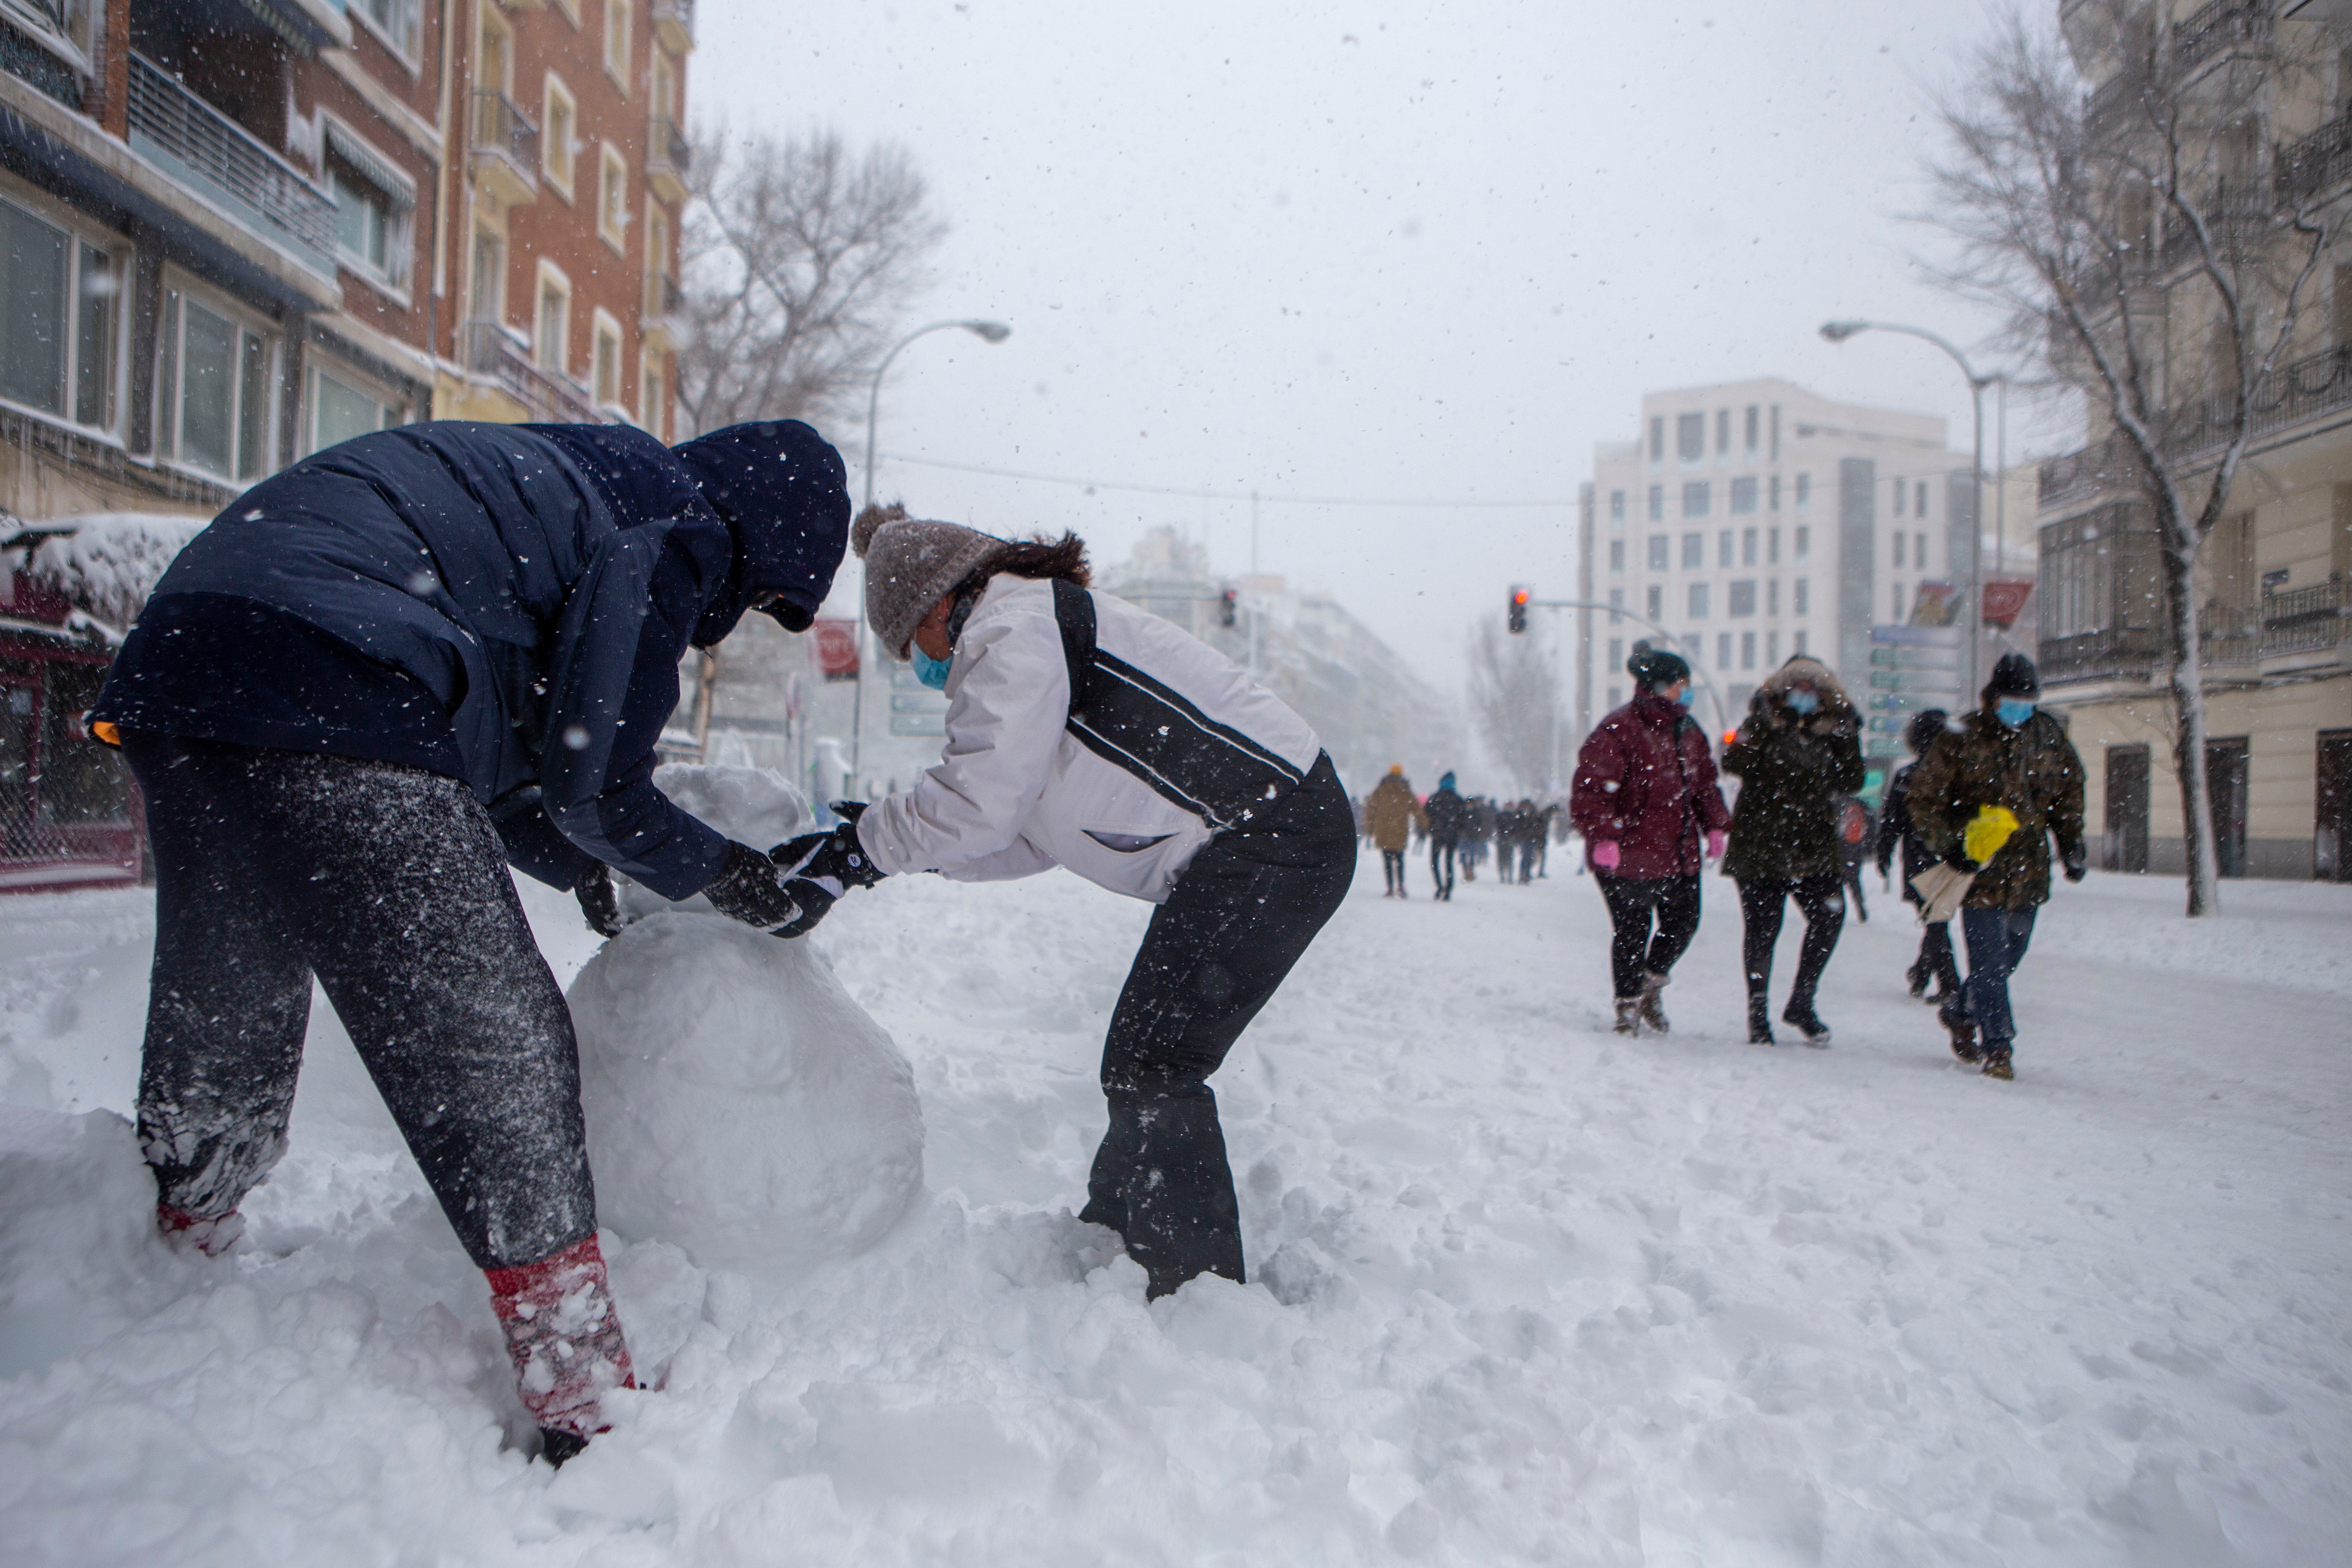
<point>1160,1180</point>
<point>1800,1015</point>
<point>1954,1016</point>
<point>1653,1009</point>
<point>1917,975</point>
<point>1760,1020</point>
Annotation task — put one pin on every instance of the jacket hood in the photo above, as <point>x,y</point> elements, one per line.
<point>783,493</point>
<point>1805,667</point>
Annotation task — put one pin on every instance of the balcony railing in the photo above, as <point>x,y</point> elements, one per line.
<point>502,131</point>
<point>2117,653</point>
<point>219,159</point>
<point>2301,619</point>
<point>494,350</point>
<point>675,20</point>
<point>669,146</point>
<point>2214,30</point>
<point>2319,161</point>
<point>2318,383</point>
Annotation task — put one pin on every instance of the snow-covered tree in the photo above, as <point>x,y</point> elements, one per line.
<point>2149,245</point>
<point>1520,703</point>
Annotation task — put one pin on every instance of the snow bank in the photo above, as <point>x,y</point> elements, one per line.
<point>740,1105</point>
<point>111,560</point>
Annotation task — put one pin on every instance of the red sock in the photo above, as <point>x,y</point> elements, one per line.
<point>563,1336</point>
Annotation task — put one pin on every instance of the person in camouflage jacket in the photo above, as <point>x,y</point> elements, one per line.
<point>2008,756</point>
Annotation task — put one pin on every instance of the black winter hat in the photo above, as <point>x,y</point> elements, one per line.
<point>1925,726</point>
<point>1655,667</point>
<point>2014,676</point>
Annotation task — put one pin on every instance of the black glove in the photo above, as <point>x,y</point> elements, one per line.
<point>1957,859</point>
<point>600,900</point>
<point>2078,862</point>
<point>821,867</point>
<point>750,888</point>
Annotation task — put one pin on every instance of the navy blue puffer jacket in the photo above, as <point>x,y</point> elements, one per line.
<point>502,603</point>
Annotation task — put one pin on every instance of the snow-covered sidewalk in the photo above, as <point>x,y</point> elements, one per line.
<point>1522,1291</point>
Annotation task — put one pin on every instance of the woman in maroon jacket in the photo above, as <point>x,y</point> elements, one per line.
<point>1645,800</point>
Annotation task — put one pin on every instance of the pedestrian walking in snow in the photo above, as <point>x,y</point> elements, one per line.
<point>1896,830</point>
<point>1857,831</point>
<point>1797,750</point>
<point>1392,813</point>
<point>1449,816</point>
<point>1645,798</point>
<point>1085,732</point>
<point>1533,825</point>
<point>374,683</point>
<point>1988,798</point>
<point>1477,836</point>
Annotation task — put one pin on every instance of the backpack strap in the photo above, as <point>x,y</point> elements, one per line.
<point>1074,612</point>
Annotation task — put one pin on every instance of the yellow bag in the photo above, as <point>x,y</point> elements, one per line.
<point>1986,832</point>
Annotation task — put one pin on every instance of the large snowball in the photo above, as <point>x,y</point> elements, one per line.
<point>740,1105</point>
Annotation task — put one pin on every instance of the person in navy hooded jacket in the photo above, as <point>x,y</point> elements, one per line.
<point>373,683</point>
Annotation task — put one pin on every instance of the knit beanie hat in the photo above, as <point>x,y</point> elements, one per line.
<point>1925,726</point>
<point>2014,676</point>
<point>911,563</point>
<point>1656,667</point>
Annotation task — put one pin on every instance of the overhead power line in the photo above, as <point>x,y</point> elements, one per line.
<point>1238,497</point>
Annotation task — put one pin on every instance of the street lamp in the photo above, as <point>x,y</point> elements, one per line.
<point>1837,333</point>
<point>986,331</point>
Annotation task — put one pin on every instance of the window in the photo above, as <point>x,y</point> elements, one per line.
<point>557,123</point>
<point>1722,431</point>
<point>396,20</point>
<point>1772,650</point>
<point>1697,495</point>
<point>1897,619</point>
<point>1748,548</point>
<point>215,390</point>
<point>362,223</point>
<point>612,196</point>
<point>489,277</point>
<point>2099,574</point>
<point>1799,598</point>
<point>1752,428</point>
<point>1657,438</point>
<point>658,283</point>
<point>1657,503</point>
<point>1616,653</point>
<point>1657,601</point>
<point>1805,545</point>
<point>57,335</point>
<point>1919,552</point>
<point>1698,601</point>
<point>1616,603</point>
<point>1723,552</point>
<point>1772,597</point>
<point>1919,503</point>
<point>1900,485</point>
<point>653,381</point>
<point>1747,650</point>
<point>1900,538</point>
<point>1616,555</point>
<point>1772,546</point>
<point>1742,601</point>
<point>1723,651</point>
<point>616,41</point>
<point>1743,494</point>
<point>1616,696</point>
<point>1804,492</point>
<point>1797,642</point>
<point>1616,506</point>
<point>342,406</point>
<point>605,370</point>
<point>1694,552</point>
<point>552,337</point>
<point>1774,503</point>
<point>1690,438</point>
<point>494,69</point>
<point>1660,545</point>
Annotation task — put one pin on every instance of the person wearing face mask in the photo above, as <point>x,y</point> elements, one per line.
<point>374,683</point>
<point>1083,731</point>
<point>1646,799</point>
<point>1797,751</point>
<point>1988,797</point>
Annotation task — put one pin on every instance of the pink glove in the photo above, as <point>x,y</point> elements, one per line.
<point>1604,854</point>
<point>1715,841</point>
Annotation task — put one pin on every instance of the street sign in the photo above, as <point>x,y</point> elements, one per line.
<point>1912,669</point>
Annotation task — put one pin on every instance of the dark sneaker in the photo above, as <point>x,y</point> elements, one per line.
<point>1654,1012</point>
<point>1963,1030</point>
<point>1759,1022</point>
<point>1629,1015</point>
<point>1996,1063</point>
<point>1801,1016</point>
<point>1917,975</point>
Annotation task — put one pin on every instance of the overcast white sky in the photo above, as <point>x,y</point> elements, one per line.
<point>1382,251</point>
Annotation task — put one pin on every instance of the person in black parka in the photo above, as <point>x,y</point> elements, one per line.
<point>1937,961</point>
<point>1449,819</point>
<point>1797,750</point>
<point>375,681</point>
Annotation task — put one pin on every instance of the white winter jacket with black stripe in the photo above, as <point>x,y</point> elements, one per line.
<point>1171,744</point>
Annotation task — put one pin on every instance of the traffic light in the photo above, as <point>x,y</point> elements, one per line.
<point>1520,597</point>
<point>1227,603</point>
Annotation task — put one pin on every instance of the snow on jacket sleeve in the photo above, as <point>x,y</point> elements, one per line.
<point>612,684</point>
<point>1008,707</point>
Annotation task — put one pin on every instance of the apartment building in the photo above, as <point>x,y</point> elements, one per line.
<point>2276,646</point>
<point>233,232</point>
<point>1753,521</point>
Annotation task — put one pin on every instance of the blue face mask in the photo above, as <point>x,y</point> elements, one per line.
<point>2013,710</point>
<point>932,672</point>
<point>1804,701</point>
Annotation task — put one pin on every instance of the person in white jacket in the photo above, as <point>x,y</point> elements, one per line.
<point>1084,732</point>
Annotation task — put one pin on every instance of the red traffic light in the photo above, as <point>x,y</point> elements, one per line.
<point>1520,598</point>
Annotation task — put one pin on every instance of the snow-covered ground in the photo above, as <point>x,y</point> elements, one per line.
<point>1521,1291</point>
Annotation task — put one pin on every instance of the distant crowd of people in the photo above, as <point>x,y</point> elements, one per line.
<point>1973,817</point>
<point>1458,830</point>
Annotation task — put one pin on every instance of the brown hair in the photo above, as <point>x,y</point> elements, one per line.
<point>1039,559</point>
